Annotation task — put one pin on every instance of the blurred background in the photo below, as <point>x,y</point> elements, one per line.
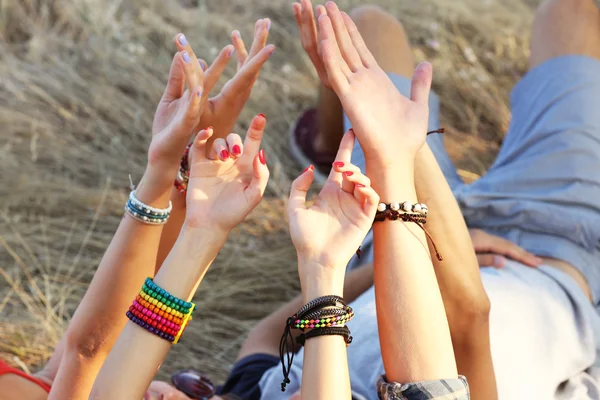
<point>79,84</point>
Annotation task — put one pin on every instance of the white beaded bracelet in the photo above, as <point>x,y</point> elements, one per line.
<point>407,207</point>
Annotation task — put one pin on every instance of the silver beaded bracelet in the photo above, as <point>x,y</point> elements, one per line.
<point>407,207</point>
<point>145,213</point>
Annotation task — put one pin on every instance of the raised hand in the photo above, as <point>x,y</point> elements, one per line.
<point>329,231</point>
<point>222,111</point>
<point>177,116</point>
<point>305,20</point>
<point>390,127</point>
<point>226,185</point>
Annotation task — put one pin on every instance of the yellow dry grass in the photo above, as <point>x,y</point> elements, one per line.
<point>79,82</point>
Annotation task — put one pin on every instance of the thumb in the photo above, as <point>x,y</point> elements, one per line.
<point>300,188</point>
<point>491,260</point>
<point>256,189</point>
<point>421,83</point>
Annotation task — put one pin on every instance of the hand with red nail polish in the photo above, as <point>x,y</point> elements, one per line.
<point>225,186</point>
<point>327,233</point>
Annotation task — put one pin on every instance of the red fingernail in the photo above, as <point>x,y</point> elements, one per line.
<point>262,115</point>
<point>348,173</point>
<point>310,167</point>
<point>262,157</point>
<point>210,128</point>
<point>338,164</point>
<point>224,155</point>
<point>358,185</point>
<point>236,149</point>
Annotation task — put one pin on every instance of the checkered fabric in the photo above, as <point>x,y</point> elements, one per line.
<point>443,389</point>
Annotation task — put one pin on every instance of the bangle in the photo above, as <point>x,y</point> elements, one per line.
<point>183,175</point>
<point>145,213</point>
<point>160,313</point>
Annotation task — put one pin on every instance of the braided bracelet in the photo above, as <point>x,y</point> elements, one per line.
<point>341,331</point>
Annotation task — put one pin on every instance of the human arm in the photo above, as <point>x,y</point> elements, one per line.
<point>131,254</point>
<point>220,195</point>
<point>222,110</point>
<point>413,329</point>
<point>326,234</point>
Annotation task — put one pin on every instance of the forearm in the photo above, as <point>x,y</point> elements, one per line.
<point>458,274</point>
<point>325,372</point>
<point>466,303</point>
<point>100,317</point>
<point>172,228</point>
<point>413,329</point>
<point>137,354</point>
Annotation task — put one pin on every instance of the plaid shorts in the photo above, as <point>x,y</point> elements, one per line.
<point>443,389</point>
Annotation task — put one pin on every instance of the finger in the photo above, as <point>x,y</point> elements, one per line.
<point>343,155</point>
<point>188,123</point>
<point>297,9</point>
<point>308,36</point>
<point>368,197</point>
<point>176,83</point>
<point>219,150</point>
<point>300,188</point>
<point>326,33</point>
<point>243,81</point>
<point>189,57</point>
<point>261,34</point>
<point>254,135</point>
<point>352,178</point>
<point>359,44</point>
<point>214,72</point>
<point>234,144</point>
<point>491,260</point>
<point>256,189</point>
<point>347,49</point>
<point>199,147</point>
<point>240,48</point>
<point>421,83</point>
<point>509,249</point>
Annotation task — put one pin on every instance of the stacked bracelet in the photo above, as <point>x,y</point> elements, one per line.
<point>160,313</point>
<point>183,175</point>
<point>326,315</point>
<point>145,213</point>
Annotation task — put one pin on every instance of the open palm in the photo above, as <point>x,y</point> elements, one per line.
<point>328,232</point>
<point>221,193</point>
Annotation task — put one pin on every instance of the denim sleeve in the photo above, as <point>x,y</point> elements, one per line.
<point>443,389</point>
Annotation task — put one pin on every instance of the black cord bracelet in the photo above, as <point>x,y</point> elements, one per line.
<point>340,331</point>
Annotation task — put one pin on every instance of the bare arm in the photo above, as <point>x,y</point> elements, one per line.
<point>466,303</point>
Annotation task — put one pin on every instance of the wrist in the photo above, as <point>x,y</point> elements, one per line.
<point>318,280</point>
<point>201,243</point>
<point>153,189</point>
<point>394,184</point>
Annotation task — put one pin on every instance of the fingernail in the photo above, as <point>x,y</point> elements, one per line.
<point>348,173</point>
<point>499,261</point>
<point>186,57</point>
<point>199,94</point>
<point>235,33</point>
<point>359,185</point>
<point>182,40</point>
<point>268,25</point>
<point>262,115</point>
<point>338,164</point>
<point>273,52</point>
<point>231,52</point>
<point>236,150</point>
<point>224,155</point>
<point>307,169</point>
<point>262,157</point>
<point>202,65</point>
<point>210,128</point>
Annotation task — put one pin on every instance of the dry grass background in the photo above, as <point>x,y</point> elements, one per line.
<point>79,83</point>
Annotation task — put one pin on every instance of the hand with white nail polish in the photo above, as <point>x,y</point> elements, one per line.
<point>222,110</point>
<point>225,186</point>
